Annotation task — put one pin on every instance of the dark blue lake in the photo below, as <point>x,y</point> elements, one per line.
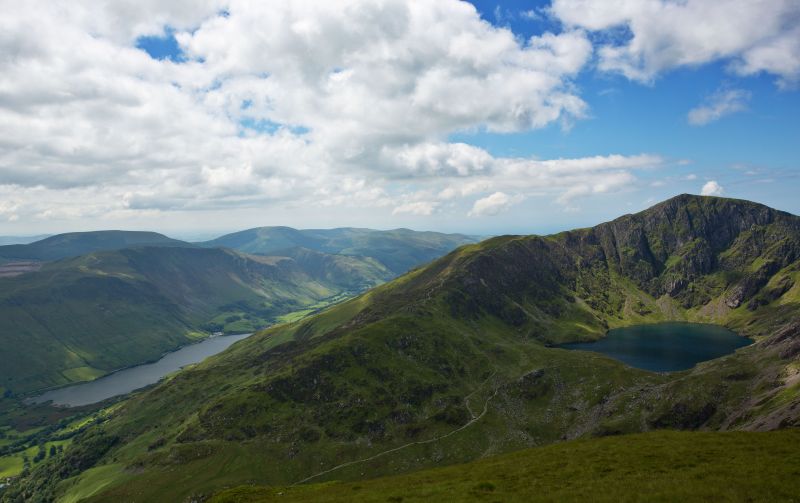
<point>665,347</point>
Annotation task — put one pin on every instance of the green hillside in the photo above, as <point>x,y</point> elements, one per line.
<point>658,466</point>
<point>454,361</point>
<point>398,249</point>
<point>74,244</point>
<point>82,317</point>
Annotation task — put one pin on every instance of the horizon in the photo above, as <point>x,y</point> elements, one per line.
<point>202,236</point>
<point>202,118</point>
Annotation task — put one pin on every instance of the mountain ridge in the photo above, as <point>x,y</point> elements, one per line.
<point>398,249</point>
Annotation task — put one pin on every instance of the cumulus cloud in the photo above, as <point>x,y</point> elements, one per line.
<point>416,208</point>
<point>437,159</point>
<point>711,188</point>
<point>651,36</point>
<point>271,102</point>
<point>721,103</point>
<point>274,104</point>
<point>566,179</point>
<point>493,204</point>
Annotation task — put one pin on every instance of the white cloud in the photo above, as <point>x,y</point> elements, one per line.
<point>424,208</point>
<point>564,179</point>
<point>276,103</point>
<point>8,210</point>
<point>721,103</point>
<point>437,159</point>
<point>285,104</point>
<point>530,15</point>
<point>755,36</point>
<point>711,188</point>
<point>493,204</point>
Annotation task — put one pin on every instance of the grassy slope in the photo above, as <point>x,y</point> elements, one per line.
<point>449,363</point>
<point>80,318</point>
<point>659,466</point>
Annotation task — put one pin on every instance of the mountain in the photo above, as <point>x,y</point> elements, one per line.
<point>398,249</point>
<point>83,317</point>
<point>74,244</point>
<point>455,361</point>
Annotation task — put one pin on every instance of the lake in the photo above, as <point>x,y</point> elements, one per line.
<point>665,347</point>
<point>133,378</point>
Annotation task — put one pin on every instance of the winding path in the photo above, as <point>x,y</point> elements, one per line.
<point>419,442</point>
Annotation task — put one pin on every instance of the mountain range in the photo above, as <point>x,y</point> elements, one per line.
<point>458,360</point>
<point>398,249</point>
<point>80,305</point>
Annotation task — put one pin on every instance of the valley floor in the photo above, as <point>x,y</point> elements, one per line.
<point>656,466</point>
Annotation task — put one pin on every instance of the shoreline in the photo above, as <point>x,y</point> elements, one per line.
<point>29,399</point>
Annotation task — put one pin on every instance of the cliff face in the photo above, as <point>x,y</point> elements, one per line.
<point>667,247</point>
<point>689,252</point>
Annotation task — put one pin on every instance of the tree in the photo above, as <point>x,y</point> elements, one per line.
<point>40,455</point>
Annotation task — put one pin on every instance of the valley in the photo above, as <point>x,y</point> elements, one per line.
<point>84,305</point>
<point>98,302</point>
<point>458,361</point>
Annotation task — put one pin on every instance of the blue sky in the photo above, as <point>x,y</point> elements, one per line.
<point>629,117</point>
<point>230,115</point>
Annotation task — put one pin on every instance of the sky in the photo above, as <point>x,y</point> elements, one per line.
<point>206,116</point>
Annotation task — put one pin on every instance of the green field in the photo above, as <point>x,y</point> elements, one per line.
<point>12,464</point>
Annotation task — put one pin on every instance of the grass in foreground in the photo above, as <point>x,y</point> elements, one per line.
<point>657,466</point>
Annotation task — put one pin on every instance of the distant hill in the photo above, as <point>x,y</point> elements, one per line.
<point>398,249</point>
<point>455,361</point>
<point>74,244</point>
<point>20,240</point>
<point>82,317</point>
